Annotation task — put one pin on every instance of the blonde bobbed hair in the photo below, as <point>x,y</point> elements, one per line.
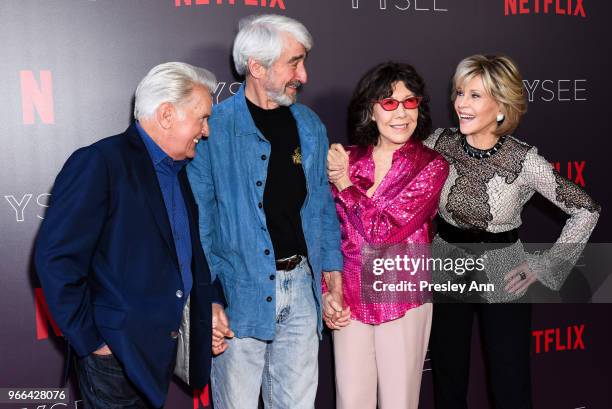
<point>502,81</point>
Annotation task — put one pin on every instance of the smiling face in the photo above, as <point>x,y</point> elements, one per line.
<point>397,126</point>
<point>476,108</point>
<point>189,124</point>
<point>287,74</point>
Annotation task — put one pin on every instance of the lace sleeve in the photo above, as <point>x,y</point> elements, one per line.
<point>554,265</point>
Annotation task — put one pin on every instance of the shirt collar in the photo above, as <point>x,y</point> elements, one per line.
<point>158,156</point>
<point>407,150</point>
<point>364,161</point>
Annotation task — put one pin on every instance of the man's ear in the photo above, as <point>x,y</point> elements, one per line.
<point>165,115</point>
<point>256,69</point>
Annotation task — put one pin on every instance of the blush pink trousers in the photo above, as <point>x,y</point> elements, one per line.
<point>382,364</point>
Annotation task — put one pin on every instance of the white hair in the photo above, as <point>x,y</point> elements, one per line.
<point>170,82</point>
<point>261,37</point>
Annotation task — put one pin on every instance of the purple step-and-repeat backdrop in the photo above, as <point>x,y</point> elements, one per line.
<point>68,70</point>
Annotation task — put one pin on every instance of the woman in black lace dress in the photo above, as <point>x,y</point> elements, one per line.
<point>492,176</point>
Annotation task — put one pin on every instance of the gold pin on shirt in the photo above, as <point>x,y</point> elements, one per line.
<point>297,156</point>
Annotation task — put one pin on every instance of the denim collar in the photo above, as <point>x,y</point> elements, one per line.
<point>245,125</point>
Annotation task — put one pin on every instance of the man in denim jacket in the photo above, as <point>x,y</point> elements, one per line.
<point>268,223</point>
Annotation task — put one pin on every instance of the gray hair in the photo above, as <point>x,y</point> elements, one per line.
<point>261,37</point>
<point>170,82</point>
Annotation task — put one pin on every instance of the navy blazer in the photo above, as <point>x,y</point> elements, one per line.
<point>107,263</point>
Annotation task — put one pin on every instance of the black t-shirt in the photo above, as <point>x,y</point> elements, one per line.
<point>285,189</point>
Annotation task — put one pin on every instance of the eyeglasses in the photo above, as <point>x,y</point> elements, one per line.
<point>391,104</point>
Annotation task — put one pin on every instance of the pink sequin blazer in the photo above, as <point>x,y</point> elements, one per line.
<point>401,210</point>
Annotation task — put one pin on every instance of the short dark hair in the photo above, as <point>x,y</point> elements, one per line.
<point>377,84</point>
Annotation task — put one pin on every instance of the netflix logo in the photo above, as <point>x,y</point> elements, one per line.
<point>270,4</point>
<point>201,398</point>
<point>573,170</point>
<point>37,97</point>
<point>559,339</point>
<point>557,7</point>
<point>43,317</point>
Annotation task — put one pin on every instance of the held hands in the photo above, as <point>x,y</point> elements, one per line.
<point>335,314</point>
<point>337,167</point>
<point>519,279</point>
<point>220,329</point>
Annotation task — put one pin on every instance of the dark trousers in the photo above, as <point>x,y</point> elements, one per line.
<point>103,384</point>
<point>506,337</point>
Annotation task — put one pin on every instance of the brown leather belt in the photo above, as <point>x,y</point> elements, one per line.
<point>288,263</point>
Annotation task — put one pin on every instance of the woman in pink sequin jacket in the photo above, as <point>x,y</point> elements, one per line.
<point>386,189</point>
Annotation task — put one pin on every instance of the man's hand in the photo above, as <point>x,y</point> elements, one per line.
<point>335,314</point>
<point>103,350</point>
<point>220,329</point>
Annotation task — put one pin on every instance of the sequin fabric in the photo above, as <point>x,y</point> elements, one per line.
<point>401,210</point>
<point>489,194</point>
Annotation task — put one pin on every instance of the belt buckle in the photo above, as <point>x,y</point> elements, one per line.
<point>289,263</point>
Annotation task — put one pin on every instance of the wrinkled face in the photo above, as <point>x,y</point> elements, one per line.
<point>476,109</point>
<point>190,124</point>
<point>287,74</point>
<point>397,126</point>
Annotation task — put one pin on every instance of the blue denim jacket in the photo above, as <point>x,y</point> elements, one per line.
<point>224,176</point>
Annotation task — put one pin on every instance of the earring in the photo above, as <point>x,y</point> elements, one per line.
<point>500,117</point>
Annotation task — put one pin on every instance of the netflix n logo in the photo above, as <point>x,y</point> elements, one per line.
<point>559,339</point>
<point>558,7</point>
<point>279,4</point>
<point>37,95</point>
<point>201,398</point>
<point>43,318</point>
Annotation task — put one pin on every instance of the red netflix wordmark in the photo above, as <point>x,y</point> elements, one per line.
<point>559,7</point>
<point>574,171</point>
<point>557,339</point>
<point>201,396</point>
<point>177,3</point>
<point>37,96</point>
<point>257,3</point>
<point>43,318</point>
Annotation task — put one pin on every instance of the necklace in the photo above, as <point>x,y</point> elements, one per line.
<point>481,153</point>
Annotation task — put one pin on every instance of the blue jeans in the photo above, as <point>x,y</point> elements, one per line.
<point>285,369</point>
<point>103,384</point>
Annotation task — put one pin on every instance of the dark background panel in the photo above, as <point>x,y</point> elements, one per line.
<point>98,50</point>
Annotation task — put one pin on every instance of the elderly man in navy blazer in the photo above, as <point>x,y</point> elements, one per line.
<point>119,252</point>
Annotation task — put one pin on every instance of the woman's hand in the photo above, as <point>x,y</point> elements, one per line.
<point>335,316</point>
<point>337,167</point>
<point>519,279</point>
